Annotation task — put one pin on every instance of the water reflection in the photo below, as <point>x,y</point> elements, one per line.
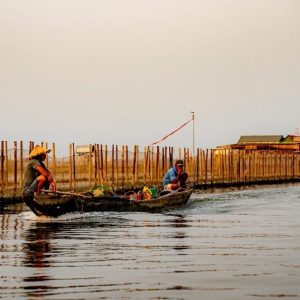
<point>10,209</point>
<point>37,247</point>
<point>180,222</point>
<point>37,255</point>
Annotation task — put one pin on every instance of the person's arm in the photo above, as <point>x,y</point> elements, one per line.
<point>48,175</point>
<point>44,172</point>
<point>175,178</point>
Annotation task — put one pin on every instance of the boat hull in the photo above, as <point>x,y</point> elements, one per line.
<point>58,205</point>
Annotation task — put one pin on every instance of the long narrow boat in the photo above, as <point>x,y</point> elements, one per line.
<point>56,205</point>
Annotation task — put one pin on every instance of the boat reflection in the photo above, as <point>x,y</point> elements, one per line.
<point>38,251</point>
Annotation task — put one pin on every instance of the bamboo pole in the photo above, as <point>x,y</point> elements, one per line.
<point>244,166</point>
<point>145,164</point>
<point>229,166</point>
<point>280,164</point>
<point>6,164</point>
<point>137,164</point>
<point>101,163</point>
<point>105,160</point>
<point>95,165</point>
<point>179,153</point>
<point>286,167</point>
<point>292,165</point>
<point>275,165</point>
<point>113,164</point>
<point>126,165</point>
<point>157,164</point>
<point>206,166</point>
<point>122,166</point>
<point>225,167</point>
<point>171,156</point>
<point>188,160</point>
<point>211,166</point>
<point>222,166</point>
<point>162,161</point>
<point>150,167</point>
<point>21,164</point>
<point>47,158</point>
<point>238,166</point>
<point>53,159</point>
<point>70,167</point>
<point>2,166</point>
<point>197,165</point>
<point>15,165</point>
<point>134,166</point>
<point>235,162</point>
<point>255,165</point>
<point>201,167</point>
<point>184,159</point>
<point>117,165</point>
<point>90,164</point>
<point>74,166</point>
<point>250,166</point>
<point>166,160</point>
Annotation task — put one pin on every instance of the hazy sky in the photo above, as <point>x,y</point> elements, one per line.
<point>129,72</point>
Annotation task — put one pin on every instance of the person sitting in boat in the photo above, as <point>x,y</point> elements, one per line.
<point>175,177</point>
<point>36,175</point>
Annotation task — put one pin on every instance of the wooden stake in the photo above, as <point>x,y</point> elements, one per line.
<point>126,165</point>
<point>117,165</point>
<point>70,166</point>
<point>74,166</point>
<point>15,166</point>
<point>6,164</point>
<point>53,159</point>
<point>113,164</point>
<point>145,164</point>
<point>157,164</point>
<point>106,163</point>
<point>206,166</point>
<point>95,165</point>
<point>101,163</point>
<point>21,164</point>
<point>2,166</point>
<point>137,164</point>
<point>47,158</point>
<point>211,166</point>
<point>134,166</point>
<point>122,166</point>
<point>90,164</point>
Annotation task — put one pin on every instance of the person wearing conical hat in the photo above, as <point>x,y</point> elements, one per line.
<point>36,175</point>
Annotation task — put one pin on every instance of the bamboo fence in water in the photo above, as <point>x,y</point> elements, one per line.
<point>126,168</point>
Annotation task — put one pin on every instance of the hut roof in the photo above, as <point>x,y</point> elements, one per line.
<point>261,139</point>
<point>292,138</point>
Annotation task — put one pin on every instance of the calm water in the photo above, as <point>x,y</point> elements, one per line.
<point>230,245</point>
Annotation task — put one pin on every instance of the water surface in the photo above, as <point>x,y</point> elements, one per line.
<point>227,245</point>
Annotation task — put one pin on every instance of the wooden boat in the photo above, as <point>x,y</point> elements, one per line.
<point>169,200</point>
<point>54,205</point>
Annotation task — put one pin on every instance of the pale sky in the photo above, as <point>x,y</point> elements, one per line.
<point>129,72</point>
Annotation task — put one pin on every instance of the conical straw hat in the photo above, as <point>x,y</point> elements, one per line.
<point>38,150</point>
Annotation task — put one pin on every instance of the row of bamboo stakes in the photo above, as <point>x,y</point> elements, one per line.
<point>117,167</point>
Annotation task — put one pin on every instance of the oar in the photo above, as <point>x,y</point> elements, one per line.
<point>67,194</point>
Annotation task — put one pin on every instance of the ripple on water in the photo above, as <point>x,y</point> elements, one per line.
<point>229,245</point>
